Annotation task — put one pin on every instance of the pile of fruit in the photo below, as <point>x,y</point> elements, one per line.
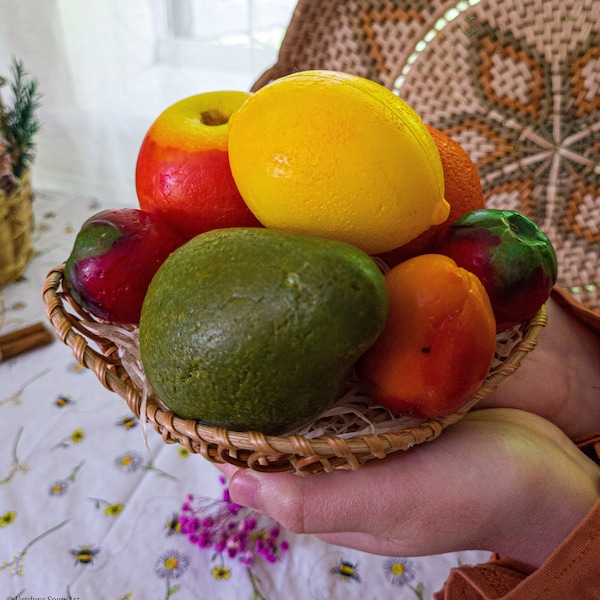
<point>290,237</point>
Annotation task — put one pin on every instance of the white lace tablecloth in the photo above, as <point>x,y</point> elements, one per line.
<point>88,511</point>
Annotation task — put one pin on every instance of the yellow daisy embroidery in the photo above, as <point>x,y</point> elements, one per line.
<point>221,572</point>
<point>7,518</point>
<point>112,510</point>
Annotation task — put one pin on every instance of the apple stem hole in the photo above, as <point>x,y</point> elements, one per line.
<point>214,118</point>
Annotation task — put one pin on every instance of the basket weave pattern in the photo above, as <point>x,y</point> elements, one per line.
<point>16,227</point>
<point>251,449</point>
<point>514,82</point>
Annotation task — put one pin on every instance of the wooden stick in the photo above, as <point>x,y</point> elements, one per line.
<point>19,333</point>
<point>21,340</point>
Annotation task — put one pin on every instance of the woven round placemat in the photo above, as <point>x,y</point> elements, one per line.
<point>515,82</point>
<point>298,453</point>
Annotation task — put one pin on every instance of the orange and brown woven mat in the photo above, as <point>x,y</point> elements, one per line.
<point>515,82</point>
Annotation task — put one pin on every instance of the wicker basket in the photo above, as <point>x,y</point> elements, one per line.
<point>439,55</point>
<point>16,227</point>
<point>251,449</point>
<point>514,83</point>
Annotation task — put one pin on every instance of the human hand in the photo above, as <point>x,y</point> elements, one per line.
<point>560,379</point>
<point>500,479</point>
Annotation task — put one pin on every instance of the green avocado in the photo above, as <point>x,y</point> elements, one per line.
<point>257,329</point>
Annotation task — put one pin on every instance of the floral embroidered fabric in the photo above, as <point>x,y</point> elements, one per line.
<point>87,509</point>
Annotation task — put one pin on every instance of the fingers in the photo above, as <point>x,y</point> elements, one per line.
<point>227,469</point>
<point>282,497</point>
<point>559,380</point>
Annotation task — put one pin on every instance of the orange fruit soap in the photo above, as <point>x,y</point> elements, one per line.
<point>438,343</point>
<point>463,192</point>
<point>338,156</point>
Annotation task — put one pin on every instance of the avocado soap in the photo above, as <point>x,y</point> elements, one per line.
<point>258,329</point>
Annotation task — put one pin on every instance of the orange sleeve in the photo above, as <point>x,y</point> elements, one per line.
<point>570,572</point>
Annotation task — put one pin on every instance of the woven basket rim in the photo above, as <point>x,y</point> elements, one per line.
<point>252,449</point>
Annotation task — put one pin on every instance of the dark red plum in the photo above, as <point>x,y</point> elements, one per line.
<point>512,257</point>
<point>115,255</point>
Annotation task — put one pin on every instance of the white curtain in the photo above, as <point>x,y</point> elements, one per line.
<point>107,68</point>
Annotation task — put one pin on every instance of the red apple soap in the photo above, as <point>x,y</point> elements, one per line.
<point>182,171</point>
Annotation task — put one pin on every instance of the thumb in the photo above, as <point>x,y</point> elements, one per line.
<point>304,504</point>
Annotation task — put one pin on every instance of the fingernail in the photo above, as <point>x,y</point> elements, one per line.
<point>244,488</point>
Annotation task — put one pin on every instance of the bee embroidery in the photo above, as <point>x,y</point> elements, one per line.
<point>63,401</point>
<point>85,555</point>
<point>173,525</point>
<point>128,422</point>
<point>346,570</point>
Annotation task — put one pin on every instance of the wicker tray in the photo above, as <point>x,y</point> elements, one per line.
<point>297,453</point>
<point>16,226</point>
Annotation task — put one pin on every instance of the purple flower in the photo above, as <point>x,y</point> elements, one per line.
<point>231,529</point>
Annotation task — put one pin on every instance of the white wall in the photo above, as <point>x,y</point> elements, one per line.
<point>107,68</point>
